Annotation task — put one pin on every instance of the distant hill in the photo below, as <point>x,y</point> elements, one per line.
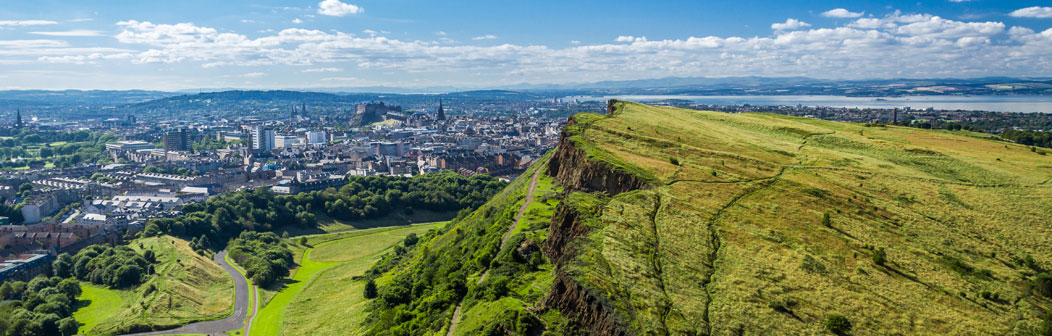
<point>656,220</point>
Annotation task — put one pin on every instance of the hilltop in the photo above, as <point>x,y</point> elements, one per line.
<point>656,220</point>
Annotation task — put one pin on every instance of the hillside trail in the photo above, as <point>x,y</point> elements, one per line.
<point>503,240</point>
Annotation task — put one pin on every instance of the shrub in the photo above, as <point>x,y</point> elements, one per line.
<point>826,221</point>
<point>1043,284</point>
<point>880,257</point>
<point>838,324</point>
<point>370,289</point>
<point>673,160</point>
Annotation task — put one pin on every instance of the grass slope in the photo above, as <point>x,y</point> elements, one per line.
<point>96,304</point>
<point>322,282</point>
<point>731,238</point>
<point>187,288</point>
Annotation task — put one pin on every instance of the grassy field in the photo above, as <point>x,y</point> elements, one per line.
<point>730,236</point>
<point>328,224</point>
<point>323,281</point>
<point>187,288</point>
<point>103,302</point>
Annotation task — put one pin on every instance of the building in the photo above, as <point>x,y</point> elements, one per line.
<point>176,141</point>
<point>441,111</point>
<point>281,141</point>
<point>316,137</point>
<point>261,139</point>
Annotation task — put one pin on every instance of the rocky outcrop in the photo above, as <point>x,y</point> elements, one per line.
<point>570,165</point>
<point>589,314</point>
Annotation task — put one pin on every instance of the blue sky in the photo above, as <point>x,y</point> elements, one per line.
<point>171,45</point>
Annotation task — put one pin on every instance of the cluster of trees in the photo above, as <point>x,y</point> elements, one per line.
<point>44,306</point>
<point>224,217</point>
<point>12,212</point>
<point>263,256</point>
<point>376,196</point>
<point>210,143</point>
<point>1029,138</point>
<point>116,267</point>
<point>75,147</point>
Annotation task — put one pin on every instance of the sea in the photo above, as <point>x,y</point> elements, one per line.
<point>1026,104</point>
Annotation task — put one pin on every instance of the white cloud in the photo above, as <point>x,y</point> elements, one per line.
<point>297,21</point>
<point>630,39</point>
<point>841,13</point>
<point>340,79</point>
<point>16,23</point>
<point>323,70</point>
<point>1033,12</point>
<point>253,75</point>
<point>575,42</point>
<point>369,32</point>
<point>248,21</point>
<point>337,8</point>
<point>866,47</point>
<point>70,33</point>
<point>790,24</point>
<point>484,37</point>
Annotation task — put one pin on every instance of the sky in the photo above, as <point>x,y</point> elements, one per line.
<point>188,44</point>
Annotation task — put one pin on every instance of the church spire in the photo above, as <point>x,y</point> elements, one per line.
<point>18,118</point>
<point>441,111</point>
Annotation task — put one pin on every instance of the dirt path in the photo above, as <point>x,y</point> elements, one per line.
<point>503,240</point>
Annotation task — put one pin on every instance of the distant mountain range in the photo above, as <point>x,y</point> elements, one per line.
<point>44,100</point>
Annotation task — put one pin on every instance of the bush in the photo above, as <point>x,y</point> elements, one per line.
<point>1043,284</point>
<point>370,289</point>
<point>880,257</point>
<point>826,221</point>
<point>673,160</point>
<point>838,324</point>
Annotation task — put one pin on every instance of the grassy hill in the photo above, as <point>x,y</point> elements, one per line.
<point>671,221</point>
<point>187,287</point>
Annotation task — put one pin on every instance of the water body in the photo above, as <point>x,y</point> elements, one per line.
<point>978,103</point>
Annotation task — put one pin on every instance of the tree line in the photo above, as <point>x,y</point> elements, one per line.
<point>44,306</point>
<point>224,217</point>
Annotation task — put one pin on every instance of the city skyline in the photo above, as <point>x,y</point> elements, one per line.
<point>323,44</point>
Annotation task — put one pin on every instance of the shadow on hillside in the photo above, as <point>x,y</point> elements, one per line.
<point>328,224</point>
<point>281,284</point>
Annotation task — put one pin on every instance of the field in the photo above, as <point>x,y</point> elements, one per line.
<point>187,288</point>
<point>103,302</point>
<point>730,236</point>
<point>323,281</point>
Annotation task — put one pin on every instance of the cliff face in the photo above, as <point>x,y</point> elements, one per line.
<point>570,165</point>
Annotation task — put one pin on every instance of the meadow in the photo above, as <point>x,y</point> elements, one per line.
<point>731,235</point>
<point>186,288</point>
<point>325,280</point>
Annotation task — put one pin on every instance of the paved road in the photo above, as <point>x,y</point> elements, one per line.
<point>218,327</point>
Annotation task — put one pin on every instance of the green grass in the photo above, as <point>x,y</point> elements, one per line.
<point>186,288</point>
<point>726,232</point>
<point>96,304</point>
<point>348,254</point>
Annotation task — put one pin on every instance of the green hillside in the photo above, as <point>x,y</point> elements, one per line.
<point>667,221</point>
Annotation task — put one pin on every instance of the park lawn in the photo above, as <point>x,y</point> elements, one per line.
<point>397,218</point>
<point>95,304</point>
<point>345,248</point>
<point>186,288</point>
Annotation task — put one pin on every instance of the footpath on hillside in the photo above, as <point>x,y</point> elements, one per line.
<point>503,240</point>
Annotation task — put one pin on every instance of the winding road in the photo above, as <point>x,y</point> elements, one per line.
<point>503,240</point>
<point>218,327</point>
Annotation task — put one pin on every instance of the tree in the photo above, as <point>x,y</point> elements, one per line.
<point>880,257</point>
<point>68,326</point>
<point>127,275</point>
<point>303,241</point>
<point>411,240</point>
<point>838,324</point>
<point>370,289</point>
<point>826,221</point>
<point>46,152</point>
